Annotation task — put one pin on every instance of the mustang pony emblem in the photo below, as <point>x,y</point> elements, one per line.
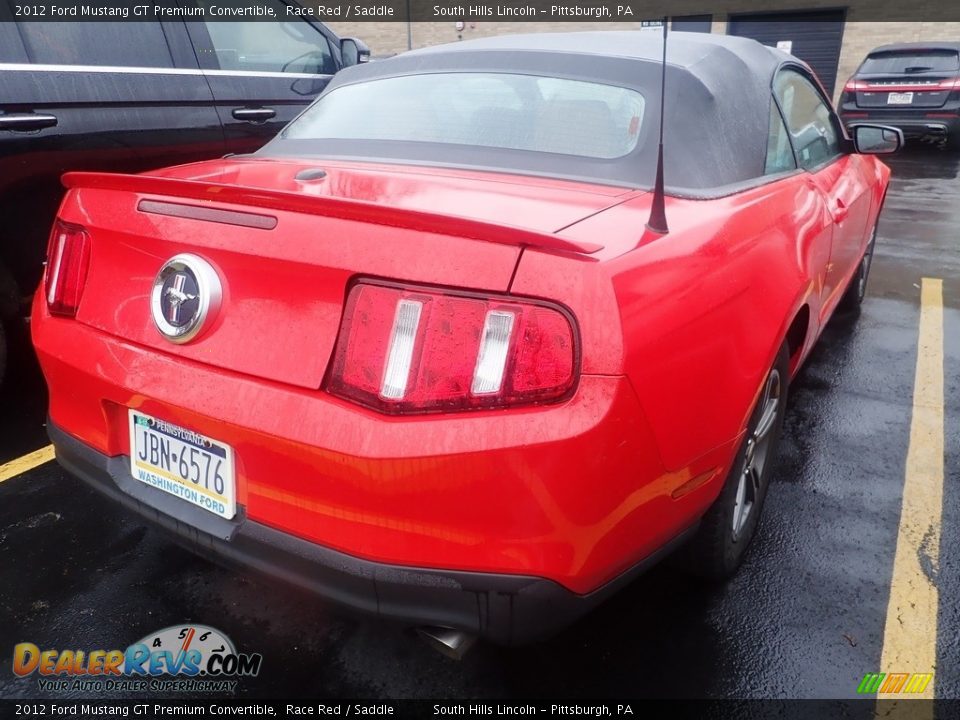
<point>175,297</point>
<point>186,292</point>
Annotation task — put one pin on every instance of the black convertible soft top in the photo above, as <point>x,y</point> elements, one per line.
<point>717,106</point>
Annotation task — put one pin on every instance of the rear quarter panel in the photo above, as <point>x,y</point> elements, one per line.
<point>880,181</point>
<point>694,318</point>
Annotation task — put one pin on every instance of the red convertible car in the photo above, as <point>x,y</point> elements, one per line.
<point>424,354</point>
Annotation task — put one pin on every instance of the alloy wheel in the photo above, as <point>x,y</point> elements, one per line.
<point>865,266</point>
<point>750,484</point>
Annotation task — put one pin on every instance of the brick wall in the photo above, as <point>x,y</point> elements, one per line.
<point>859,37</point>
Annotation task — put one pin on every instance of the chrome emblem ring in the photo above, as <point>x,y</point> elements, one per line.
<point>186,294</point>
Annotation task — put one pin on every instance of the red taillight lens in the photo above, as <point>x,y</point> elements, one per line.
<point>854,85</point>
<point>950,84</point>
<point>68,256</point>
<point>413,350</point>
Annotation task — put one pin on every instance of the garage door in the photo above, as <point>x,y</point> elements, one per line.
<point>815,37</point>
<point>692,23</point>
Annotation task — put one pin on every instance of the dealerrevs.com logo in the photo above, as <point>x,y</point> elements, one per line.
<point>187,658</point>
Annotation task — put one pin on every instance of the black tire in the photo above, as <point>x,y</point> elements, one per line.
<point>853,298</point>
<point>724,535</point>
<point>3,353</point>
<point>953,141</point>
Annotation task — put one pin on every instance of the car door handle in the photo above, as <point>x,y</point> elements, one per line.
<point>839,211</point>
<point>254,115</point>
<point>26,121</point>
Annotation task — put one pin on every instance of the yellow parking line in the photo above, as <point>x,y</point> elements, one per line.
<point>910,635</point>
<point>25,463</point>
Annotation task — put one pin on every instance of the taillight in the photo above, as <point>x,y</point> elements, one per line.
<point>950,84</point>
<point>414,350</point>
<point>854,86</point>
<point>68,255</point>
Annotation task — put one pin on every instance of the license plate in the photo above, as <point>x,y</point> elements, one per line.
<point>184,463</point>
<point>900,98</point>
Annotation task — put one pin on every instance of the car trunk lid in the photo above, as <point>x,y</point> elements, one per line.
<point>907,79</point>
<point>903,93</point>
<point>285,260</point>
<point>542,204</point>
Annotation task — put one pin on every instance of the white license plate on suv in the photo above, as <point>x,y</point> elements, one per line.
<point>900,98</point>
<point>181,462</point>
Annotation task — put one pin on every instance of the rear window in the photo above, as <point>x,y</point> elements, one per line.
<point>912,62</point>
<point>497,110</point>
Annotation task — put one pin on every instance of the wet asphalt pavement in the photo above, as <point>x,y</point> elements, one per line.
<point>803,618</point>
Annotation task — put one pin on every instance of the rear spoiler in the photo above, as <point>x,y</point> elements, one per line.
<point>341,208</point>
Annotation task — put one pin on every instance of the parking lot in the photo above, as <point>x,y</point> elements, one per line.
<point>807,616</point>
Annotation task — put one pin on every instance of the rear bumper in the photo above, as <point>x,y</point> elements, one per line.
<point>503,608</point>
<point>922,124</point>
<point>574,493</point>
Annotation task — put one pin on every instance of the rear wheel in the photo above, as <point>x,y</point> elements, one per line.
<point>729,525</point>
<point>3,352</point>
<point>853,297</point>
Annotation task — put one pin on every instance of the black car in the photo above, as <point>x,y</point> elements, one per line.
<point>911,86</point>
<point>131,96</point>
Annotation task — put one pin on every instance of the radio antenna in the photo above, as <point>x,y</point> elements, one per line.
<point>658,214</point>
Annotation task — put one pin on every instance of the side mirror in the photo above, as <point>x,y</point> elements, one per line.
<point>877,139</point>
<point>354,51</point>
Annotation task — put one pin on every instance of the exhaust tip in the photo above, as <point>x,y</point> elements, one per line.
<point>447,641</point>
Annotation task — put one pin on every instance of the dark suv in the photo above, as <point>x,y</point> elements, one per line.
<point>912,86</point>
<point>131,96</point>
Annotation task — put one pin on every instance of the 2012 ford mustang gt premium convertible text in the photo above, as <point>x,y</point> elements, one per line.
<point>430,354</point>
